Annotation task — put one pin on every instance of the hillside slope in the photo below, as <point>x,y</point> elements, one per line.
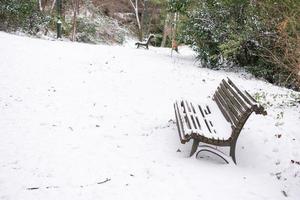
<point>82,121</point>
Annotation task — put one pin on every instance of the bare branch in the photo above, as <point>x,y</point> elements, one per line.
<point>132,4</point>
<point>40,5</point>
<point>53,5</point>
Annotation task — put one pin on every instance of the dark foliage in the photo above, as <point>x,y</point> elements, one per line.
<point>24,15</point>
<point>262,37</point>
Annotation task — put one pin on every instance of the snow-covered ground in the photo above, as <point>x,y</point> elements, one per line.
<point>82,121</point>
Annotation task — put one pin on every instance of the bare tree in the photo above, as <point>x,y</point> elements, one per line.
<point>40,5</point>
<point>53,5</point>
<point>167,30</point>
<point>135,6</point>
<point>75,6</point>
<point>43,4</point>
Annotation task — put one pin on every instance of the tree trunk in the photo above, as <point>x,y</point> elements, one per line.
<point>166,31</point>
<point>145,21</point>
<point>53,5</point>
<point>75,11</point>
<point>174,32</point>
<point>136,12</point>
<point>74,26</point>
<point>40,5</point>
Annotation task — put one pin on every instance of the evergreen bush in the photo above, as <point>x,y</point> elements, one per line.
<point>261,36</point>
<point>21,15</point>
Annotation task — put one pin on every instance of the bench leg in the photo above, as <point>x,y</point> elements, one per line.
<point>194,147</point>
<point>232,151</point>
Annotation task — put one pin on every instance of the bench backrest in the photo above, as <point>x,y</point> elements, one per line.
<point>235,105</point>
<point>149,38</point>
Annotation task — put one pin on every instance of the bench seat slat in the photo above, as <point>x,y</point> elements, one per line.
<point>199,129</point>
<point>197,118</point>
<point>179,123</point>
<point>202,117</point>
<point>186,129</point>
<point>202,125</point>
<point>194,117</point>
<point>188,115</point>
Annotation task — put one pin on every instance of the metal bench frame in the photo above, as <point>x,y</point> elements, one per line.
<point>236,107</point>
<point>145,44</point>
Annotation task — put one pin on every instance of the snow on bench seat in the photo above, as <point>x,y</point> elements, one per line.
<point>202,120</point>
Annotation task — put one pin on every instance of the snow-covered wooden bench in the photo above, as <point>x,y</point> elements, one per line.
<point>218,123</point>
<point>145,44</point>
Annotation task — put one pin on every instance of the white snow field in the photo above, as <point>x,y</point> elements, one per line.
<point>89,122</point>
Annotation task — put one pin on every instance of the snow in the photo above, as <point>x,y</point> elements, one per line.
<point>82,121</point>
<point>220,125</point>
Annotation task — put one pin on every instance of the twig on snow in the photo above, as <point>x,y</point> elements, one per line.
<point>81,186</point>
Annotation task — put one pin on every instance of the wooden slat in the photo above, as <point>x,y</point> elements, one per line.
<point>233,100</point>
<point>239,91</point>
<point>194,117</point>
<point>179,123</point>
<point>254,106</point>
<point>186,119</point>
<point>233,120</point>
<point>197,120</point>
<point>186,130</point>
<point>193,109</point>
<point>210,124</point>
<point>187,106</point>
<point>250,97</point>
<point>181,105</point>
<point>254,102</point>
<point>209,112</point>
<point>229,105</point>
<point>236,95</point>
<point>194,122</point>
<point>202,113</point>
<point>222,108</point>
<point>188,116</point>
<point>203,118</point>
<point>212,127</point>
<point>257,107</point>
<point>207,126</point>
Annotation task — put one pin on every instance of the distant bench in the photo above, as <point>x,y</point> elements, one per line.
<point>204,123</point>
<point>145,44</point>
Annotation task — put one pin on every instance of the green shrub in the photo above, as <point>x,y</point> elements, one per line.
<point>24,15</point>
<point>86,31</point>
<point>261,36</point>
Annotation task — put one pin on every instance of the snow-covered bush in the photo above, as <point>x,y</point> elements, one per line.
<point>261,36</point>
<point>96,29</point>
<point>21,15</point>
